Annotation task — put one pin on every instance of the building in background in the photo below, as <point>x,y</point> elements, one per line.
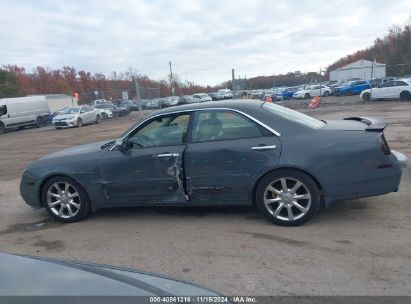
<point>359,69</point>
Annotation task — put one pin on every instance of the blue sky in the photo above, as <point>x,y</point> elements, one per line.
<point>204,39</point>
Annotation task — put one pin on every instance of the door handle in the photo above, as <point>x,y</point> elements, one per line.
<point>167,155</point>
<point>262,148</point>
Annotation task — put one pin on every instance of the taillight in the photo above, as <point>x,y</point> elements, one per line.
<point>384,145</point>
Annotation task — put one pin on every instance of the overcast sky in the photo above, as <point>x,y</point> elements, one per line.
<point>203,39</point>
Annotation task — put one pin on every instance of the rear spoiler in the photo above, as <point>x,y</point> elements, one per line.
<point>374,124</point>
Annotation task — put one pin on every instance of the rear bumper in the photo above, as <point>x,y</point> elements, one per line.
<point>402,159</point>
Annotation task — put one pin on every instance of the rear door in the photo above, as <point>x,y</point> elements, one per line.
<point>226,154</point>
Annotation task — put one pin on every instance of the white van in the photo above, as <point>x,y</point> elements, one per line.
<point>23,111</point>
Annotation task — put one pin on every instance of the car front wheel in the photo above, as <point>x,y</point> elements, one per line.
<point>65,200</point>
<point>288,197</point>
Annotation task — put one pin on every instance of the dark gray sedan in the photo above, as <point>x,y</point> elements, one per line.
<point>222,153</point>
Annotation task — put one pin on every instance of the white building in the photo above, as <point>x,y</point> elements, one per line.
<point>359,69</point>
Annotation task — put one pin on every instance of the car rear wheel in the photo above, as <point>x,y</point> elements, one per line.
<point>288,197</point>
<point>79,123</point>
<point>366,97</point>
<point>97,119</point>
<point>326,93</point>
<point>405,96</point>
<point>65,200</point>
<point>307,96</point>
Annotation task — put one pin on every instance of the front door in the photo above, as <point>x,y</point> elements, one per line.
<point>225,156</point>
<point>150,168</point>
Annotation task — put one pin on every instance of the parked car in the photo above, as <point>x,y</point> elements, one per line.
<point>352,87</point>
<point>150,104</point>
<point>288,93</point>
<point>257,94</point>
<point>114,110</point>
<point>216,96</point>
<point>20,112</point>
<point>319,90</point>
<point>50,117</point>
<point>303,93</point>
<point>99,101</point>
<point>76,117</point>
<point>202,97</point>
<point>395,89</point>
<point>234,152</point>
<point>82,281</point>
<point>170,101</point>
<point>129,104</point>
<point>187,99</point>
<point>225,93</point>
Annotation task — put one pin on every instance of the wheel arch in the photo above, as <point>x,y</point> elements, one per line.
<point>317,182</point>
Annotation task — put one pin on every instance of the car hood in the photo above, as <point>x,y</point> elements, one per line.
<point>64,116</point>
<point>37,276</point>
<point>83,149</point>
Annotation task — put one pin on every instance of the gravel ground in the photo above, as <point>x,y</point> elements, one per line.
<point>358,247</point>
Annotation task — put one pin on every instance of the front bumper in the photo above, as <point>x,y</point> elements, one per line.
<point>29,190</point>
<point>402,159</point>
<point>65,123</point>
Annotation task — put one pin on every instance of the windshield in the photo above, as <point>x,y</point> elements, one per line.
<point>72,110</point>
<point>293,115</point>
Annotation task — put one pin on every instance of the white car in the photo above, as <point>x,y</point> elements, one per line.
<point>304,93</point>
<point>203,97</point>
<point>76,117</point>
<point>394,89</point>
<point>104,113</point>
<point>311,91</point>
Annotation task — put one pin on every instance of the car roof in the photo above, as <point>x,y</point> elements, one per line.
<point>235,104</point>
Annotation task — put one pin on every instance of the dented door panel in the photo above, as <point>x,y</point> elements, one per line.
<point>141,176</point>
<point>225,171</point>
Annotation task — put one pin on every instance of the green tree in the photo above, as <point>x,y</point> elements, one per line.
<point>9,86</point>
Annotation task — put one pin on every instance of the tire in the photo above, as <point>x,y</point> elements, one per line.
<point>79,123</point>
<point>326,93</point>
<point>2,129</point>
<point>307,96</point>
<point>78,203</point>
<point>21,127</point>
<point>104,116</point>
<point>278,211</point>
<point>366,97</point>
<point>97,119</point>
<point>405,96</point>
<point>58,128</point>
<point>39,122</point>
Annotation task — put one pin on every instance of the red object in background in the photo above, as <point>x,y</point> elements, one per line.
<point>269,99</point>
<point>76,95</point>
<point>314,102</point>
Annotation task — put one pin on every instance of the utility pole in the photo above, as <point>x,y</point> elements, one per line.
<point>171,78</point>
<point>233,82</point>
<point>321,79</point>
<point>372,73</point>
<point>140,108</point>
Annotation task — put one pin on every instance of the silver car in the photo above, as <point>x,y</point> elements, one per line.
<point>76,117</point>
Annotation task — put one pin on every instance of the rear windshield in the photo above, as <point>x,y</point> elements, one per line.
<point>293,115</point>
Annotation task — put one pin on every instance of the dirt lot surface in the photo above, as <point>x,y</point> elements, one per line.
<point>358,247</point>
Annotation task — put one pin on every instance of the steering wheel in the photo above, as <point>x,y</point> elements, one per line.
<point>142,141</point>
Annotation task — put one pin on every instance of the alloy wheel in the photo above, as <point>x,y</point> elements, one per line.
<point>287,199</point>
<point>63,199</point>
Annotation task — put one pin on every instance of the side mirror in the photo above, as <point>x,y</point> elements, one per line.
<point>121,144</point>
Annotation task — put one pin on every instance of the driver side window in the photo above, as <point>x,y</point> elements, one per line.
<point>160,131</point>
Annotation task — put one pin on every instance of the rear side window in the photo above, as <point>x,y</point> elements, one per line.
<point>223,125</point>
<point>293,115</point>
